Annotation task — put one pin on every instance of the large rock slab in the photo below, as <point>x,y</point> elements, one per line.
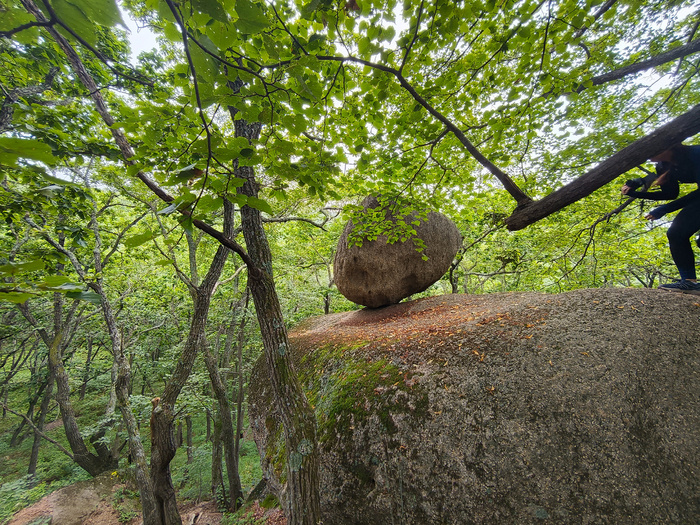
<point>379,273</point>
<point>506,408</point>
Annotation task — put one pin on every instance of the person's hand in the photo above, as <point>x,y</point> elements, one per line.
<point>625,189</point>
<point>650,217</point>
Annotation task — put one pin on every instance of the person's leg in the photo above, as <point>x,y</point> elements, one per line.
<point>686,223</point>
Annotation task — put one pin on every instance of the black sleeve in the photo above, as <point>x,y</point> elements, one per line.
<point>667,191</point>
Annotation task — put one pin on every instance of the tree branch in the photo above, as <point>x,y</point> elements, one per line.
<point>629,157</point>
<point>39,432</point>
<point>7,109</point>
<point>662,58</point>
<point>518,194</point>
<point>601,11</point>
<point>122,142</point>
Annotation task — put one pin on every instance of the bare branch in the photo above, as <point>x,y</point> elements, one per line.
<point>320,225</point>
<point>37,431</point>
<point>10,32</point>
<point>660,59</point>
<point>413,40</point>
<point>518,194</point>
<point>600,12</point>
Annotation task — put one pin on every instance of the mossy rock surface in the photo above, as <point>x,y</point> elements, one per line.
<point>506,408</point>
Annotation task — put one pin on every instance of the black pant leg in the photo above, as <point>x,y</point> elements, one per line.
<point>686,223</point>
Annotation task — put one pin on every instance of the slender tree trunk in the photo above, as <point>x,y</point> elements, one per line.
<point>92,463</point>
<point>239,390</point>
<point>120,388</point>
<point>163,443</point>
<point>86,372</point>
<point>17,436</point>
<point>40,422</point>
<point>178,435</point>
<point>218,489</point>
<point>190,441</point>
<point>301,500</point>
<point>227,432</point>
<point>162,432</point>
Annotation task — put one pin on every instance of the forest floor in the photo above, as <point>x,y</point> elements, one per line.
<point>98,502</point>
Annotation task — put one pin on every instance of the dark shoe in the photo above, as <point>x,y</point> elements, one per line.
<point>682,286</point>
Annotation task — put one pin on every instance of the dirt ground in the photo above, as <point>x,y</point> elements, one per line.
<point>90,503</point>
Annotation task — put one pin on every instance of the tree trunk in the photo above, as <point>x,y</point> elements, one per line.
<point>162,440</point>
<point>218,489</point>
<point>301,500</point>
<point>86,372</point>
<point>178,435</point>
<point>120,388</point>
<point>40,422</point>
<point>17,436</point>
<point>190,446</point>
<point>162,453</point>
<point>90,462</point>
<point>208,436</point>
<point>239,390</point>
<point>227,432</point>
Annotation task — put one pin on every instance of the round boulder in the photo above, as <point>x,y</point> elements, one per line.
<point>380,273</point>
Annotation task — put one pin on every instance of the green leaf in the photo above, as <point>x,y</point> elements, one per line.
<point>67,287</point>
<point>50,191</point>
<point>259,204</point>
<point>182,175</point>
<point>138,239</point>
<point>12,148</point>
<point>15,297</point>
<point>213,8</point>
<point>28,266</point>
<point>204,64</point>
<point>103,12</point>
<point>90,297</point>
<point>307,11</point>
<point>251,17</point>
<point>54,280</point>
<point>170,209</point>
<point>75,18</point>
<point>186,223</point>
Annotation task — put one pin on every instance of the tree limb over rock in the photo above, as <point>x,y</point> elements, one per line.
<point>624,160</point>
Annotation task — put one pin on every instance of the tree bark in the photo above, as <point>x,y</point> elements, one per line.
<point>633,155</point>
<point>40,422</point>
<point>227,431</point>
<point>301,500</point>
<point>121,387</point>
<point>239,390</point>
<point>218,489</point>
<point>90,462</point>
<point>86,372</point>
<point>162,439</point>
<point>190,446</point>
